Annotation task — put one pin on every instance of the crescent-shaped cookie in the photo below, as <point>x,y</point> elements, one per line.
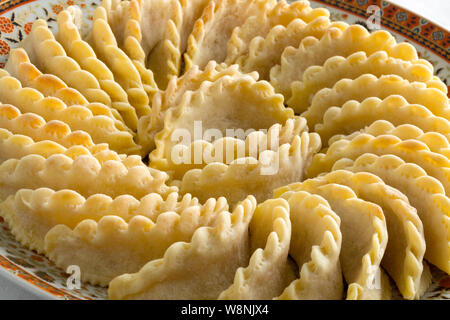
<point>260,25</point>
<point>124,19</point>
<point>425,193</point>
<point>354,116</point>
<point>265,276</point>
<point>435,141</point>
<point>406,245</point>
<point>69,37</point>
<point>315,246</point>
<point>108,245</point>
<point>266,52</point>
<point>151,124</point>
<point>125,73</point>
<point>94,118</point>
<point>336,68</point>
<point>58,171</point>
<point>364,236</point>
<point>342,42</point>
<point>218,251</point>
<point>199,153</point>
<point>20,67</point>
<point>414,151</point>
<point>256,176</point>
<point>211,32</point>
<point>367,86</point>
<point>217,107</point>
<point>49,56</point>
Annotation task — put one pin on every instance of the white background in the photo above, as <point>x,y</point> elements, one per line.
<point>435,10</point>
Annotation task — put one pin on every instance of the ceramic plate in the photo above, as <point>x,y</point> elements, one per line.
<point>38,275</point>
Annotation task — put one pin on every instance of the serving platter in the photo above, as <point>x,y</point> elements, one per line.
<point>37,275</point>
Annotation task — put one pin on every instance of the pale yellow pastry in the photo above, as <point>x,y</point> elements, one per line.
<point>124,19</point>
<point>256,176</point>
<point>211,32</point>
<point>151,124</point>
<point>406,244</point>
<point>425,193</point>
<point>231,102</point>
<point>95,119</point>
<point>20,67</point>
<point>16,146</point>
<point>32,213</point>
<point>414,151</point>
<point>159,49</point>
<point>69,37</point>
<point>49,56</point>
<point>435,141</point>
<point>342,42</point>
<point>201,152</point>
<point>259,25</point>
<point>35,127</point>
<point>85,174</point>
<point>265,277</point>
<point>367,86</point>
<point>125,73</point>
<point>223,248</point>
<point>111,243</point>
<point>364,237</point>
<point>336,68</point>
<point>266,52</point>
<point>353,116</point>
<point>315,246</point>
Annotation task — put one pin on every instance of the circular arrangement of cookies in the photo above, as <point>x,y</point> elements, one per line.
<point>226,149</point>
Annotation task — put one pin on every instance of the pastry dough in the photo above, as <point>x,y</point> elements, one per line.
<point>218,251</point>
<point>93,118</point>
<point>151,124</point>
<point>58,171</point>
<point>29,75</point>
<point>49,56</point>
<point>228,103</point>
<point>353,116</point>
<point>265,52</point>
<point>16,146</point>
<point>31,214</point>
<point>364,235</point>
<point>270,235</point>
<point>425,193</point>
<point>158,49</point>
<point>69,37</point>
<point>209,38</point>
<point>105,46</point>
<point>35,127</point>
<point>414,151</point>
<point>435,141</point>
<point>315,245</point>
<point>367,86</point>
<point>260,25</point>
<point>312,51</point>
<point>337,68</point>
<point>406,246</point>
<point>109,244</point>
<point>124,19</point>
<point>199,153</point>
<point>253,176</point>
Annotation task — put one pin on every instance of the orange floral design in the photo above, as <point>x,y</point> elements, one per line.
<point>27,27</point>
<point>57,8</point>
<point>6,25</point>
<point>4,48</point>
<point>70,2</point>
